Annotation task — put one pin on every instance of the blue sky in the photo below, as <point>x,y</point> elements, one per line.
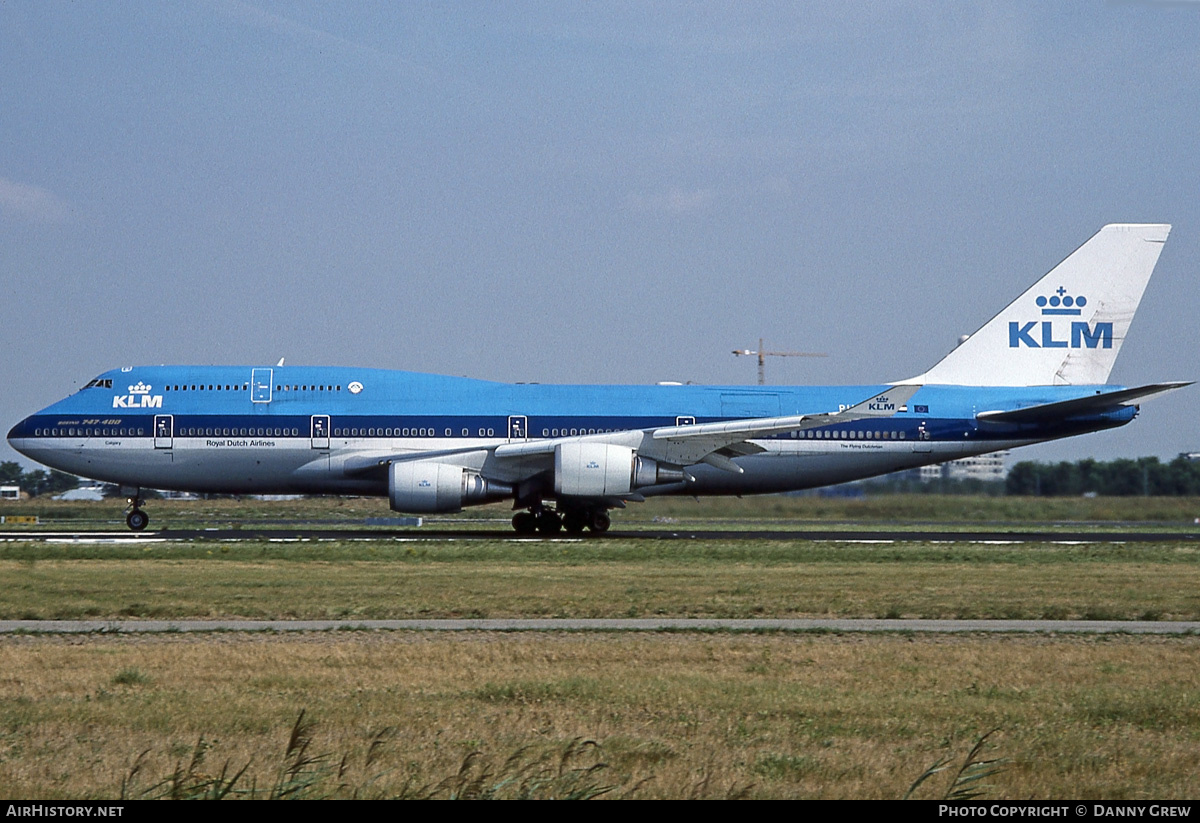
<point>584,192</point>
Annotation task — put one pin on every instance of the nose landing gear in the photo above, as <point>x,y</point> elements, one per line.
<point>136,519</point>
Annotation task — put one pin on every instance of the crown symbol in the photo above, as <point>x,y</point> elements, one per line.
<point>1061,303</point>
<point>139,388</point>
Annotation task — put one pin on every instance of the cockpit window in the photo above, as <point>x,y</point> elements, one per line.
<point>99,383</point>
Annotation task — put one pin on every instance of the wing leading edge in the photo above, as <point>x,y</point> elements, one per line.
<point>686,445</point>
<point>711,443</point>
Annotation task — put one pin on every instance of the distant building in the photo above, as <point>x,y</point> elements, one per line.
<point>988,468</point>
<point>82,493</point>
<point>10,492</point>
<point>929,474</point>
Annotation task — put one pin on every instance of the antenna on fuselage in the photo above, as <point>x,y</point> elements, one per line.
<point>762,378</point>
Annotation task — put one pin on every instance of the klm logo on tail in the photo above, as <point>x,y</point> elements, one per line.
<point>1080,334</point>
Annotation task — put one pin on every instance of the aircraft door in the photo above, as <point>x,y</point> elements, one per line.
<point>164,431</point>
<point>922,444</point>
<point>260,385</point>
<point>320,431</point>
<point>518,427</point>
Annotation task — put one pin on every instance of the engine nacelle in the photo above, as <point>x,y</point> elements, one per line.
<point>584,469</point>
<point>426,487</point>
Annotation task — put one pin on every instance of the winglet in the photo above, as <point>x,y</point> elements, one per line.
<point>882,405</point>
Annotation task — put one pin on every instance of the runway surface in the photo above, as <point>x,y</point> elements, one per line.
<point>604,625</point>
<point>426,534</point>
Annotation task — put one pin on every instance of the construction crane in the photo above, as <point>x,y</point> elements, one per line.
<point>762,355</point>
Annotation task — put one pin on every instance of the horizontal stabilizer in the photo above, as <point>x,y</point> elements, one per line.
<point>1093,404</point>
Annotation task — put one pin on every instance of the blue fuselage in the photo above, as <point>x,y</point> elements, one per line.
<point>298,429</point>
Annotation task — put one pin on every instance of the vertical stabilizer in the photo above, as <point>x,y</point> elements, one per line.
<point>1067,329</point>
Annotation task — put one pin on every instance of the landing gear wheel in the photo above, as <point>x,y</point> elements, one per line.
<point>549,522</point>
<point>137,520</point>
<point>525,522</point>
<point>600,522</point>
<point>574,523</point>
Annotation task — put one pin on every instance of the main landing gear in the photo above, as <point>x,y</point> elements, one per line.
<point>136,519</point>
<point>541,520</point>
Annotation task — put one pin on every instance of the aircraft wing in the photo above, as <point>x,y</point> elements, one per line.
<point>703,443</point>
<point>686,445</point>
<point>366,463</point>
<point>1093,404</point>
<point>712,443</point>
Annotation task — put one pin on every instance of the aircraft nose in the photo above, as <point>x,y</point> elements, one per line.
<point>16,433</point>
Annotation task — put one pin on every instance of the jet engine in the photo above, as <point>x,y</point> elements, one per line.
<point>426,487</point>
<point>584,469</point>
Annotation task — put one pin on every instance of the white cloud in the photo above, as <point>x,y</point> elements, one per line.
<point>31,202</point>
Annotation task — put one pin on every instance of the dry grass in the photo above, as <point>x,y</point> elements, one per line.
<point>673,715</point>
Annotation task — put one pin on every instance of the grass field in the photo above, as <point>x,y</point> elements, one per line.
<point>400,714</point>
<point>663,715</point>
<point>609,578</point>
<point>887,510</point>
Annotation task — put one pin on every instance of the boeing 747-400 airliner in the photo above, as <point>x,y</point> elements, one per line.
<point>565,455</point>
